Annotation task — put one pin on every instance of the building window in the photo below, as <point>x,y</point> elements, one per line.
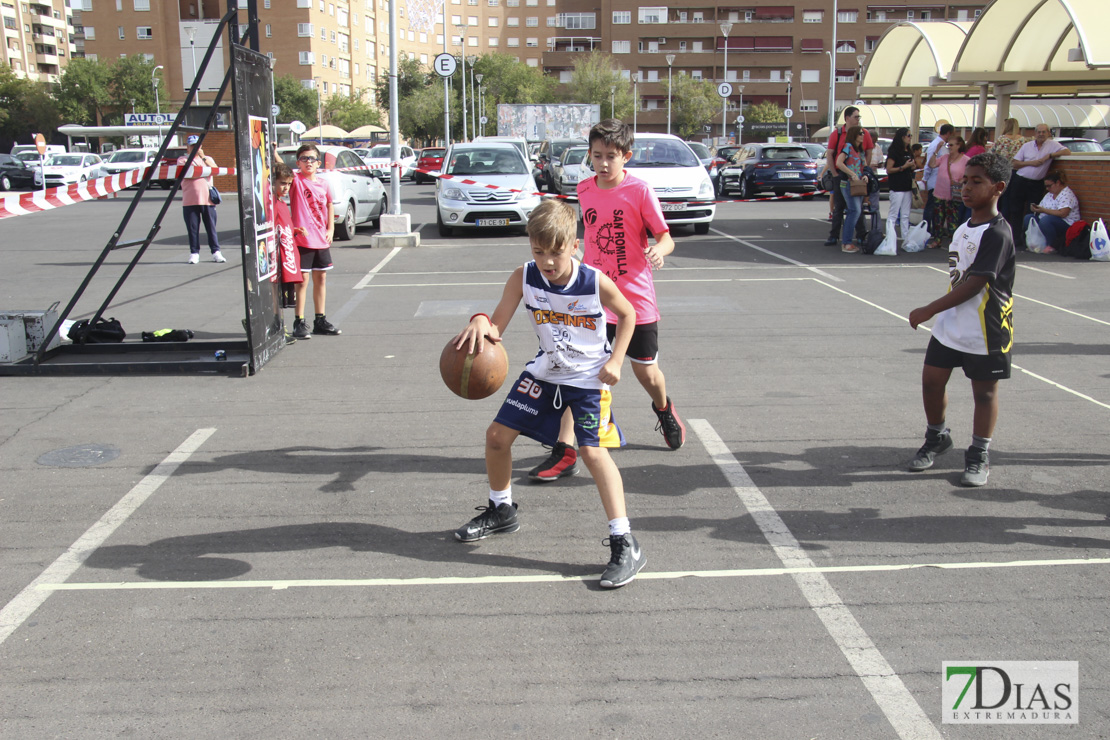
<point>305,29</point>
<point>653,15</point>
<point>492,21</point>
<point>870,43</point>
<point>269,31</point>
<point>808,106</point>
<point>90,32</point>
<point>849,16</point>
<point>622,47</point>
<point>845,75</point>
<point>513,22</point>
<point>810,75</point>
<point>142,4</point>
<point>813,16</point>
<point>304,4</point>
<point>493,41</point>
<point>512,42</point>
<point>122,34</point>
<point>306,57</point>
<point>266,5</point>
<point>846,47</point>
<point>532,22</point>
<point>576,21</point>
<point>622,17</point>
<point>533,42</point>
<point>472,21</point>
<point>472,41</point>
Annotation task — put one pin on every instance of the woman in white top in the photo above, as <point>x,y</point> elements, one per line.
<point>1058,210</point>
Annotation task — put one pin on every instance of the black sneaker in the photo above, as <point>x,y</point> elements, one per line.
<point>626,561</point>
<point>323,326</point>
<point>977,467</point>
<point>670,426</point>
<point>935,444</point>
<point>300,329</point>
<point>494,519</point>
<point>832,241</point>
<point>561,463</point>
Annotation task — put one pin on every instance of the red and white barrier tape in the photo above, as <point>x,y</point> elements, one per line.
<point>19,204</point>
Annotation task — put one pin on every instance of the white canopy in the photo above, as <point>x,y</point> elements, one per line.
<point>963,115</point>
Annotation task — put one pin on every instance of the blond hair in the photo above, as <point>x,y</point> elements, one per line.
<point>553,224</point>
<point>1010,126</point>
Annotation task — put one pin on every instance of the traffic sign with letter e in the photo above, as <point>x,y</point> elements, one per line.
<point>445,65</point>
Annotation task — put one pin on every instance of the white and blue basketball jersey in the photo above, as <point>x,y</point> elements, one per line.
<point>570,324</point>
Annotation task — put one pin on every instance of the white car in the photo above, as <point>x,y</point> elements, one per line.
<point>64,169</point>
<point>357,197</point>
<point>678,177</point>
<point>124,160</point>
<point>574,167</point>
<point>377,159</point>
<point>475,206</point>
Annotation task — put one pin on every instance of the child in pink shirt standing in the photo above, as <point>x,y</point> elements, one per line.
<point>618,210</point>
<point>313,224</point>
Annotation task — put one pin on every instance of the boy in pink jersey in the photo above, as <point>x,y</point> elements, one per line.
<point>313,224</point>
<point>618,210</point>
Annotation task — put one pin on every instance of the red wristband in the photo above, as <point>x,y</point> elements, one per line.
<point>481,314</point>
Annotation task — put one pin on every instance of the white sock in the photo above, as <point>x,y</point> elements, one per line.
<point>501,497</point>
<point>619,526</point>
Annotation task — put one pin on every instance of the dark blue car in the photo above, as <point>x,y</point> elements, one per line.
<point>778,168</point>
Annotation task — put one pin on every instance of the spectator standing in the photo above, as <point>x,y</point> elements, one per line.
<point>929,176</point>
<point>1058,210</point>
<point>1006,147</point>
<point>313,225</point>
<point>978,143</point>
<point>849,162</point>
<point>900,166</point>
<point>949,184</point>
<point>196,203</point>
<point>1031,164</point>
<point>836,144</point>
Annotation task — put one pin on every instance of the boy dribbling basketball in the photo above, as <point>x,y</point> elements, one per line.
<point>566,301</point>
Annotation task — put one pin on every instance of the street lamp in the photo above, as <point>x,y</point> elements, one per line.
<point>154,84</point>
<point>481,110</point>
<point>725,28</point>
<point>831,117</point>
<point>191,32</point>
<point>612,105</point>
<point>789,77</point>
<point>670,61</point>
<point>473,98</point>
<point>319,111</point>
<point>860,59</point>
<point>461,28</point>
<point>740,118</point>
<point>132,106</point>
<point>635,98</point>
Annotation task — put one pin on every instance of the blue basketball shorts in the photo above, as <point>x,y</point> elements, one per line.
<point>535,408</point>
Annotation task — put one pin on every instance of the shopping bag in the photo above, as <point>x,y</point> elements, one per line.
<point>889,247</point>
<point>1034,237</point>
<point>915,241</point>
<point>1100,242</point>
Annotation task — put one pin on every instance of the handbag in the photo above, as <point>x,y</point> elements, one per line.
<point>214,195</point>
<point>103,331</point>
<point>857,187</point>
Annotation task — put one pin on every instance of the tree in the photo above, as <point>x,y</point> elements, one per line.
<point>411,76</point>
<point>595,75</point>
<point>26,107</point>
<point>82,91</point>
<point>421,116</point>
<point>693,105</point>
<point>297,102</point>
<point>765,112</point>
<point>505,80</point>
<point>350,112</point>
<point>129,85</point>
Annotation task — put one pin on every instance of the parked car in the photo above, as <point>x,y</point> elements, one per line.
<point>470,206</point>
<point>14,173</point>
<point>1105,144</point>
<point>680,181</point>
<point>1077,146</point>
<point>431,159</point>
<point>574,166</point>
<point>51,149</point>
<point>815,149</point>
<point>781,168</point>
<point>64,169</point>
<point>519,143</point>
<point>357,196</point>
<point>125,160</point>
<point>170,157</point>
<point>549,159</point>
<point>377,159</point>
<point>701,151</point>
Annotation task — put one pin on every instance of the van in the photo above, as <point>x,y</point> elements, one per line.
<point>50,149</point>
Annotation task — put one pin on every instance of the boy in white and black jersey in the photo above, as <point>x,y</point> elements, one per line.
<point>974,326</point>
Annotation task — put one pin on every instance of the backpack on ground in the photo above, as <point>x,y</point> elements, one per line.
<point>875,233</point>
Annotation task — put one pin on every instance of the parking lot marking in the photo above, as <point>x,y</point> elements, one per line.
<point>31,597</point>
<point>1065,310</point>
<point>282,584</point>
<point>776,255</point>
<point>1047,272</point>
<point>377,268</point>
<point>885,686</point>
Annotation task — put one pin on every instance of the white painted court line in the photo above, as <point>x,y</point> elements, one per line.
<point>370,275</point>
<point>892,696</point>
<point>1061,308</point>
<point>1046,272</point>
<point>31,597</point>
<point>282,584</point>
<point>776,255</point>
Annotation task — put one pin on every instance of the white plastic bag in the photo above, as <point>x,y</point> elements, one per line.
<point>1034,237</point>
<point>889,247</point>
<point>1100,242</point>
<point>917,238</point>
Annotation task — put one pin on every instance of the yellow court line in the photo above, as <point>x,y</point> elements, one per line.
<point>278,585</point>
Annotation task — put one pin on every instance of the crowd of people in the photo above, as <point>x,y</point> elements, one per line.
<point>933,177</point>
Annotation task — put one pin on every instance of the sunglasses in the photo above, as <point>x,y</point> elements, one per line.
<point>309,160</point>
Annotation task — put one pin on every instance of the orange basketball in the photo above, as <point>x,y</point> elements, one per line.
<point>473,376</point>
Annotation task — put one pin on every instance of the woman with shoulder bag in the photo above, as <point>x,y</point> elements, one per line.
<point>948,192</point>
<point>900,166</point>
<point>854,188</point>
<point>196,201</point>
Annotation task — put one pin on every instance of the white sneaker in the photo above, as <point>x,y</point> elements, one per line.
<point>217,257</point>
<point>194,258</point>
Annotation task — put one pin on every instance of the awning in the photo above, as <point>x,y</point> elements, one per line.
<point>962,115</point>
<point>909,57</point>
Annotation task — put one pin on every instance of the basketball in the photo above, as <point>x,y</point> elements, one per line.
<point>473,376</point>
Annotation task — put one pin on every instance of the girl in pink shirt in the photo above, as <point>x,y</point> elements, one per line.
<point>950,178</point>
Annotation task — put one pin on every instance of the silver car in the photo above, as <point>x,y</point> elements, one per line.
<point>357,196</point>
<point>574,167</point>
<point>462,205</point>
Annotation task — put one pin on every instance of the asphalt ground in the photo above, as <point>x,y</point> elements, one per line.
<point>272,556</point>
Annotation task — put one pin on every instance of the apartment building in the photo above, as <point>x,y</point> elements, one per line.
<point>38,37</point>
<point>782,53</point>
